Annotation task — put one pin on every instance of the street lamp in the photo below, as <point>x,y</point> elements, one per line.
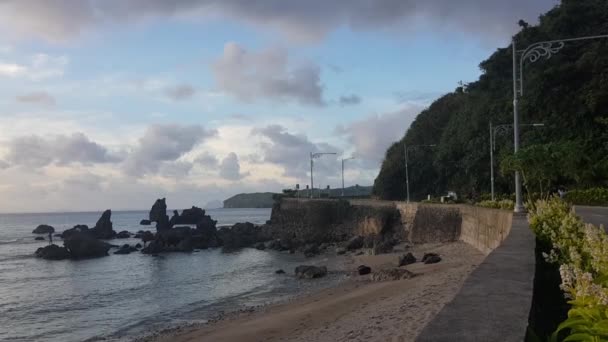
<point>495,130</point>
<point>407,177</point>
<point>532,53</point>
<point>313,156</point>
<point>343,160</point>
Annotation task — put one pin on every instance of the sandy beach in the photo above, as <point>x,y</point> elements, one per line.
<point>357,309</point>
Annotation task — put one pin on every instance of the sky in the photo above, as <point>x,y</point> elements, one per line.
<point>114,103</point>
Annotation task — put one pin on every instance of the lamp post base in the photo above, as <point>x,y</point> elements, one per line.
<point>519,209</point>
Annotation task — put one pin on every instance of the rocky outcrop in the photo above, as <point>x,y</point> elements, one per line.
<point>193,215</point>
<point>355,243</point>
<point>310,272</point>
<point>392,274</point>
<point>238,236</point>
<point>158,214</point>
<point>431,258</point>
<point>83,245</point>
<point>53,252</point>
<point>145,222</point>
<point>311,250</point>
<point>43,229</point>
<point>123,235</point>
<point>383,247</point>
<point>406,259</point>
<point>79,228</point>
<point>126,249</point>
<point>103,228</point>
<point>363,270</point>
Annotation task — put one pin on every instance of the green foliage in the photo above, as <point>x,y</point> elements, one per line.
<point>581,250</point>
<point>505,204</point>
<point>593,196</point>
<point>568,93</point>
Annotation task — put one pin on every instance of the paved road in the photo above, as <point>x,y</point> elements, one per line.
<point>593,215</point>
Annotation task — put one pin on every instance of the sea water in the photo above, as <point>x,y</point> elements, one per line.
<point>120,297</point>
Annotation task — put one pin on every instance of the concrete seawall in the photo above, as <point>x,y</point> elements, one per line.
<point>308,220</point>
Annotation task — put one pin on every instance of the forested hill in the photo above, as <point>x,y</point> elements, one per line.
<point>251,200</point>
<point>568,93</point>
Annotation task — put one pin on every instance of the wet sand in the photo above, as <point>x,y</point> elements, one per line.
<point>357,309</point>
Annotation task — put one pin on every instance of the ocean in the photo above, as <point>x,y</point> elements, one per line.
<point>119,297</point>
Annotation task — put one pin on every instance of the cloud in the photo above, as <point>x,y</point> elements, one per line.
<point>39,98</point>
<point>180,92</point>
<point>291,151</point>
<point>41,66</point>
<point>230,168</point>
<point>176,169</point>
<point>162,143</point>
<point>37,151</point>
<point>350,100</point>
<point>303,20</point>
<point>250,76</point>
<point>372,135</point>
<point>4,165</point>
<point>207,160</point>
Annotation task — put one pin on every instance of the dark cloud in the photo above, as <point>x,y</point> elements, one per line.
<point>230,168</point>
<point>175,169</point>
<point>38,98</point>
<point>372,135</point>
<point>163,143</point>
<point>37,151</point>
<point>303,20</point>
<point>292,151</point>
<point>250,76</point>
<point>180,92</point>
<point>350,100</point>
<point>207,160</point>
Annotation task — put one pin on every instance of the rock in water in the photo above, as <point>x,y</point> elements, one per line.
<point>79,228</point>
<point>52,252</point>
<point>407,259</point>
<point>158,214</point>
<point>39,238</point>
<point>239,236</point>
<point>123,235</point>
<point>279,272</point>
<point>355,243</point>
<point>125,249</point>
<point>310,272</point>
<point>431,258</point>
<point>363,270</point>
<point>145,222</point>
<point>43,229</point>
<point>392,274</point>
<point>103,227</point>
<point>82,245</point>
<point>193,215</point>
<point>260,246</point>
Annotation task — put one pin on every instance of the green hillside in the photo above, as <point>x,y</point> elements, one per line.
<point>252,200</point>
<point>568,93</point>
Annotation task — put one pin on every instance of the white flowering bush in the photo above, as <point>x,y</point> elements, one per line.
<point>581,250</point>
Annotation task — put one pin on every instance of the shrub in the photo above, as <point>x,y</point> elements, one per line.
<point>581,250</point>
<point>593,196</point>
<point>505,204</point>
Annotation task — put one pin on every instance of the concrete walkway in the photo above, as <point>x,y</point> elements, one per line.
<point>494,302</point>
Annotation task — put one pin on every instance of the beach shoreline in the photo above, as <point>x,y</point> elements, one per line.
<point>356,309</point>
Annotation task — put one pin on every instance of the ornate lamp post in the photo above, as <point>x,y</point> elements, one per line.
<point>531,54</point>
<point>313,156</point>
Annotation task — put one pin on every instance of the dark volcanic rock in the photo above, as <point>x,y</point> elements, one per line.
<point>431,258</point>
<point>39,238</point>
<point>383,247</point>
<point>260,246</point>
<point>205,234</point>
<point>126,249</point>
<point>363,270</point>
<point>43,229</point>
<point>355,243</point>
<point>279,272</point>
<point>138,246</point>
<point>154,247</point>
<point>311,250</point>
<point>310,272</point>
<point>407,259</point>
<point>82,245</point>
<point>158,214</point>
<point>103,227</point>
<point>392,274</point>
<point>273,244</point>
<point>52,252</point>
<point>193,215</point>
<point>340,251</point>
<point>79,228</point>
<point>123,235</point>
<point>239,236</point>
<point>145,222</point>
<point>147,236</point>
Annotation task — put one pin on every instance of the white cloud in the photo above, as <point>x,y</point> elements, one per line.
<point>163,143</point>
<point>230,168</point>
<point>250,76</point>
<point>11,69</point>
<point>39,67</point>
<point>371,136</point>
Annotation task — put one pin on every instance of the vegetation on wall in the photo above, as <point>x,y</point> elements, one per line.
<point>568,93</point>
